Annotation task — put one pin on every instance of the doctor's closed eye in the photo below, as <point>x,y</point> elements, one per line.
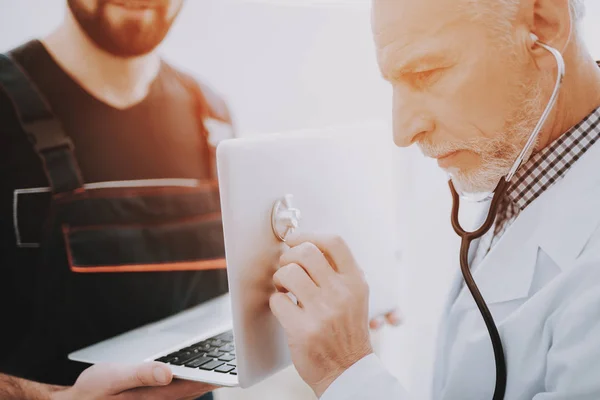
<point>422,79</point>
<point>419,73</point>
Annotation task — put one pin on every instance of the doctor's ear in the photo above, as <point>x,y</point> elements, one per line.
<point>550,22</point>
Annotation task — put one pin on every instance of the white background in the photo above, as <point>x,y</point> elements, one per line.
<point>282,65</point>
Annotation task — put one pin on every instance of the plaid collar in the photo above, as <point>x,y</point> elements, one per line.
<point>553,162</point>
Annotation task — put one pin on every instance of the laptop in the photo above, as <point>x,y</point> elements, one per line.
<point>337,181</point>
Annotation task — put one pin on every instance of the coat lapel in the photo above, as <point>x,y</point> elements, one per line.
<point>559,222</point>
<point>506,272</point>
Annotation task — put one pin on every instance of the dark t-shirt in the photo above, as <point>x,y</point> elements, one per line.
<point>160,137</point>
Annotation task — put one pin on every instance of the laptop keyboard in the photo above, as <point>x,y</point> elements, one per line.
<point>214,354</point>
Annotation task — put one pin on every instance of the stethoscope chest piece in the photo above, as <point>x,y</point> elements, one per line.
<point>285,218</point>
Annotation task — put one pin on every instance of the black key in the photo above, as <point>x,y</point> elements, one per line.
<point>173,360</point>
<point>232,362</point>
<point>162,359</point>
<point>205,346</point>
<point>226,336</point>
<point>184,357</point>
<point>188,354</point>
<point>234,372</point>
<point>215,354</point>
<point>227,348</point>
<point>217,342</point>
<point>224,369</point>
<point>191,350</point>
<point>196,362</point>
<point>226,357</point>
<point>198,355</point>
<point>212,365</point>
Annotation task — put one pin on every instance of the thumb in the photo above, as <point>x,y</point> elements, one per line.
<point>112,379</point>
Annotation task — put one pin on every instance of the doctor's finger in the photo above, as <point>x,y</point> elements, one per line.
<point>309,257</point>
<point>394,318</point>
<point>376,323</point>
<point>334,248</point>
<point>293,278</point>
<point>287,313</point>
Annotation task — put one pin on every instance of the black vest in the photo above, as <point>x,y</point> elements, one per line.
<point>111,256</point>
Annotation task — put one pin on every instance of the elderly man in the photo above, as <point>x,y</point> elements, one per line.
<point>470,82</point>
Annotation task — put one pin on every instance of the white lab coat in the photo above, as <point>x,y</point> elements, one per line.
<point>542,284</point>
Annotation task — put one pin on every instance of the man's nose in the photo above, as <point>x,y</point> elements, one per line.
<point>411,122</point>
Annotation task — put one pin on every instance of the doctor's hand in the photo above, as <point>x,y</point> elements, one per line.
<point>328,330</point>
<point>148,381</point>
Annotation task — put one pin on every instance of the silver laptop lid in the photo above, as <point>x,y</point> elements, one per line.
<point>341,180</point>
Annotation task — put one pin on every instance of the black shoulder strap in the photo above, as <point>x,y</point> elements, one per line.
<point>43,129</point>
<point>210,107</point>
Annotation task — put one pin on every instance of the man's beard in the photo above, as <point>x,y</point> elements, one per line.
<point>498,154</point>
<point>130,38</point>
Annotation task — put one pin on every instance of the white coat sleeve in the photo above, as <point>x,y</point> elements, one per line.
<point>366,379</point>
<point>573,361</point>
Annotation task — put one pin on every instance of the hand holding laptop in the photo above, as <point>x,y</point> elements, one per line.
<point>328,330</point>
<point>149,381</point>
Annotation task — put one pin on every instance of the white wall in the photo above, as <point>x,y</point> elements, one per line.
<point>286,67</point>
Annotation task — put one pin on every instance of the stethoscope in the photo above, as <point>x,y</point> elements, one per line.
<point>468,237</point>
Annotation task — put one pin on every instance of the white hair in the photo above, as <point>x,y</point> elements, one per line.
<point>503,13</point>
<point>577,6</point>
<point>577,9</point>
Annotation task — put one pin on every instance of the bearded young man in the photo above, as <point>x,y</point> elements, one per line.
<point>470,82</point>
<point>135,124</point>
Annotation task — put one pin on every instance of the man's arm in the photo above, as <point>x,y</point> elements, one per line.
<point>12,388</point>
<point>148,381</point>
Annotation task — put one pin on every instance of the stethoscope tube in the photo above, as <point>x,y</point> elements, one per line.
<point>468,237</point>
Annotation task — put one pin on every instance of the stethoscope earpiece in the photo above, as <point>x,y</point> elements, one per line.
<point>534,37</point>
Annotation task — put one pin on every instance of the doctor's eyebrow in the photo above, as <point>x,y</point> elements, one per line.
<point>418,63</point>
